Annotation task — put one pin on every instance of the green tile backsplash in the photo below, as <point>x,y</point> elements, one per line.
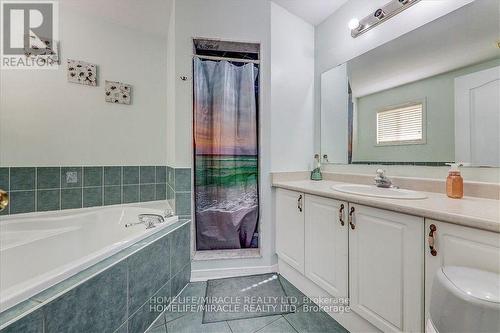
<point>22,202</point>
<point>66,177</point>
<point>47,178</point>
<point>92,196</point>
<point>22,179</point>
<point>48,200</point>
<point>147,175</point>
<point>113,175</point>
<point>92,176</point>
<point>131,175</point>
<point>52,188</point>
<point>71,198</point>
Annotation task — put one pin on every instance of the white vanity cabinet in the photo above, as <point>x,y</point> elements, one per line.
<point>456,245</point>
<point>373,256</point>
<point>326,244</point>
<point>386,268</point>
<point>290,228</point>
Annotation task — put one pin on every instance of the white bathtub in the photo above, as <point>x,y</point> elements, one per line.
<point>39,250</point>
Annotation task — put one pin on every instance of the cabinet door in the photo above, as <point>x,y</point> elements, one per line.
<point>386,268</point>
<point>457,245</point>
<point>290,228</point>
<point>326,244</point>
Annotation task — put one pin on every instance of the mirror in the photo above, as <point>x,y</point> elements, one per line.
<point>429,97</point>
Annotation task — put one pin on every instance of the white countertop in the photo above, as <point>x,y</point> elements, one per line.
<point>472,212</point>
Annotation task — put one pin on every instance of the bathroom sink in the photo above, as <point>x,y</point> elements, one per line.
<point>373,191</point>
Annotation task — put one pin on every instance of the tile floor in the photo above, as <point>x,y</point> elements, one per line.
<point>180,320</point>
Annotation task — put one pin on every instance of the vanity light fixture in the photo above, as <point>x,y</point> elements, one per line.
<point>353,23</point>
<point>378,16</point>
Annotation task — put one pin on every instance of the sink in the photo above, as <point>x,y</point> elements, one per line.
<point>374,191</point>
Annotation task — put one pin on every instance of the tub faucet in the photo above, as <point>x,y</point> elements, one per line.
<point>381,180</point>
<point>150,220</point>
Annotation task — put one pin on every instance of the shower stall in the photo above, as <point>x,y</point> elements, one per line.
<point>226,144</point>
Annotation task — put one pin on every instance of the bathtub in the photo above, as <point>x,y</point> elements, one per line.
<point>39,250</point>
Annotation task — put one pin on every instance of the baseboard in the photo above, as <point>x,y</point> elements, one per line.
<point>350,320</point>
<point>218,273</point>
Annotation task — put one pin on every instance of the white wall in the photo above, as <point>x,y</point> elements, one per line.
<point>236,20</point>
<point>44,120</point>
<point>171,81</point>
<point>292,91</point>
<point>334,44</point>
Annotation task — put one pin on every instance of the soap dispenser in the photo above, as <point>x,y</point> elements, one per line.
<point>454,182</point>
<point>316,173</point>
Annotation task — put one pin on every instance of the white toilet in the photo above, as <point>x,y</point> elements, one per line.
<point>464,300</point>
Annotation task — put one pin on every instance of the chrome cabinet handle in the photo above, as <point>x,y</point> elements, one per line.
<point>341,215</point>
<point>351,213</point>
<point>431,240</point>
<point>299,203</point>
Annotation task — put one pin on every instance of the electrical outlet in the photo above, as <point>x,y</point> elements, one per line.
<point>71,177</point>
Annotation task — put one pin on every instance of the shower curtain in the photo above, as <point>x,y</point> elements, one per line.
<point>226,154</point>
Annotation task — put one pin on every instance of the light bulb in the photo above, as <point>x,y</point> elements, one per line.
<point>353,23</point>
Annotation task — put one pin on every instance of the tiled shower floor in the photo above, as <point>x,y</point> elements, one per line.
<point>179,321</point>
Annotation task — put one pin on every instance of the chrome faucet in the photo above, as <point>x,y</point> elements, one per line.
<point>381,180</point>
<point>150,220</point>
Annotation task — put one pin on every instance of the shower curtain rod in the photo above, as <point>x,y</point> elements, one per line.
<point>227,59</point>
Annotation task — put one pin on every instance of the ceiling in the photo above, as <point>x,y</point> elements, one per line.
<point>312,11</point>
<point>461,38</point>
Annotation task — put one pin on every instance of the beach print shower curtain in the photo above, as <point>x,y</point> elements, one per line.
<point>226,155</point>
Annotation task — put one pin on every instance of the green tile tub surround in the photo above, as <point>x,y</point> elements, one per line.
<point>22,202</point>
<point>65,170</point>
<point>147,174</point>
<point>98,300</point>
<point>112,175</point>
<point>4,179</point>
<point>48,178</point>
<point>170,193</point>
<point>181,246</point>
<point>130,194</point>
<point>92,176</point>
<point>130,175</point>
<point>181,279</point>
<point>71,198</point>
<point>161,174</point>
<point>32,323</point>
<point>183,203</point>
<point>112,195</point>
<point>97,305</point>
<point>149,270</point>
<point>22,179</point>
<point>95,186</point>
<point>47,200</point>
<point>171,177</point>
<point>182,180</point>
<point>147,192</point>
<point>146,315</point>
<point>161,191</point>
<point>92,196</point>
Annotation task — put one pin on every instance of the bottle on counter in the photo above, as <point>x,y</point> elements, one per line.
<point>454,183</point>
<point>316,173</point>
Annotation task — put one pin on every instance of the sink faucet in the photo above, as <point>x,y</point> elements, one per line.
<point>150,220</point>
<point>381,180</point>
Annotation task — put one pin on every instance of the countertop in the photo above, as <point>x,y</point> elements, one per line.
<point>472,212</point>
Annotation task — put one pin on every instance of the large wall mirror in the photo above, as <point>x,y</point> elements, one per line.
<point>429,97</point>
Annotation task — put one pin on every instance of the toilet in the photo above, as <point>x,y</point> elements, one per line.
<point>464,300</point>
